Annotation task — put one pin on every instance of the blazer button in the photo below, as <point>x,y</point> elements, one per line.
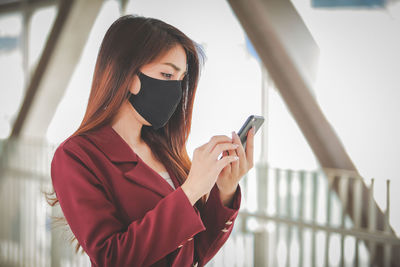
<point>224,230</point>
<point>228,222</point>
<point>190,238</point>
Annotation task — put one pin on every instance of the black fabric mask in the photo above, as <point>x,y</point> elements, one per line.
<point>157,99</point>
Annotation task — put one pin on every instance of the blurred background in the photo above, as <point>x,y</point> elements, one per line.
<point>323,73</point>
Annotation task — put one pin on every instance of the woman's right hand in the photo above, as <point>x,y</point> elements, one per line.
<point>206,166</point>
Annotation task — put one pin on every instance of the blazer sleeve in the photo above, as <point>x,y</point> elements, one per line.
<point>218,220</point>
<point>104,237</point>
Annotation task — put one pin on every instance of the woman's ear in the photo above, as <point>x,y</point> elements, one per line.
<point>135,85</point>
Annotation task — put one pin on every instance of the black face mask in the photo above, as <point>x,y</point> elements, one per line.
<point>157,99</point>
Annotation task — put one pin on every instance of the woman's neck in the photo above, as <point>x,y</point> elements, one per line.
<point>127,125</point>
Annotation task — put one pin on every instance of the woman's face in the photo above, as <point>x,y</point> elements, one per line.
<point>170,66</point>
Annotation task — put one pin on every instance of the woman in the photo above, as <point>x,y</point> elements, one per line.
<point>124,181</point>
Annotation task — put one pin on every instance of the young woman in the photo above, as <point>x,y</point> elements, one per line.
<point>124,181</point>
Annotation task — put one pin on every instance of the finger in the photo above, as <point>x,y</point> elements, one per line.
<point>225,161</point>
<point>219,148</point>
<point>225,153</point>
<point>232,152</point>
<point>235,166</point>
<point>216,139</point>
<point>250,146</point>
<point>240,150</point>
<point>203,146</point>
<point>227,168</point>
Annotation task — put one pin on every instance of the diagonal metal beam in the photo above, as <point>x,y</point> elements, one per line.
<point>7,7</point>
<point>33,86</point>
<point>285,47</point>
<point>60,56</point>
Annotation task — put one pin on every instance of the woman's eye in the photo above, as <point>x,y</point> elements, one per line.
<point>164,74</point>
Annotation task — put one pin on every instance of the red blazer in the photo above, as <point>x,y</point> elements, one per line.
<point>123,213</point>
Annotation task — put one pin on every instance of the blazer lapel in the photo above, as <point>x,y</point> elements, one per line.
<point>144,175</point>
<point>118,151</point>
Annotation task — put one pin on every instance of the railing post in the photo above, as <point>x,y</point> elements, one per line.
<point>261,237</point>
<point>56,242</point>
<point>301,217</point>
<point>288,214</point>
<point>330,180</point>
<point>277,212</point>
<point>371,222</point>
<point>388,247</point>
<point>314,215</point>
<point>343,187</point>
<point>357,216</point>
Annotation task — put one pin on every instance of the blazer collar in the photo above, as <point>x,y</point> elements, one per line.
<point>118,151</point>
<point>112,145</point>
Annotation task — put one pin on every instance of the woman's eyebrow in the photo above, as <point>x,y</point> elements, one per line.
<point>173,65</point>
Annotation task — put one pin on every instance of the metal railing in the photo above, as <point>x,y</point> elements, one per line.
<point>300,221</point>
<point>287,217</point>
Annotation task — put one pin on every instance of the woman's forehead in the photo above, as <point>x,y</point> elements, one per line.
<point>174,57</point>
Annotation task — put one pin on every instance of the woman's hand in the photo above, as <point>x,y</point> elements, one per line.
<point>206,166</point>
<point>230,176</point>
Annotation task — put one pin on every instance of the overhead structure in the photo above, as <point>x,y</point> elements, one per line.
<point>289,53</point>
<point>61,54</point>
<point>349,3</point>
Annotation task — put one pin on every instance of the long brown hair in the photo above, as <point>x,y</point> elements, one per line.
<point>131,42</point>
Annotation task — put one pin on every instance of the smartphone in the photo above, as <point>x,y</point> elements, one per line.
<point>252,120</point>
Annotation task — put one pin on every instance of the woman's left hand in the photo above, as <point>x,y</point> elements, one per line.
<point>229,177</point>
